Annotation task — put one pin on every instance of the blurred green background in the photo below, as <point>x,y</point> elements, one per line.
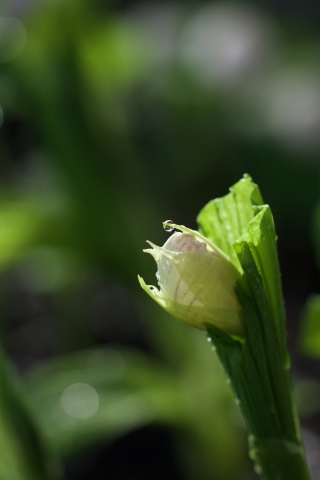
<point>116,116</point>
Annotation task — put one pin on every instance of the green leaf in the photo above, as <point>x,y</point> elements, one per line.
<point>260,237</point>
<point>246,365</point>
<point>258,256</point>
<point>261,340</point>
<point>260,374</point>
<point>225,219</point>
<point>310,335</point>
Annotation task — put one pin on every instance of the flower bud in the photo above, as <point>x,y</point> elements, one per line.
<point>196,281</point>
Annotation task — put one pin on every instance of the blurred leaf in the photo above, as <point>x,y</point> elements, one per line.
<point>133,390</point>
<point>13,38</point>
<point>310,335</point>
<point>307,395</point>
<point>25,225</point>
<point>19,226</point>
<point>104,182</point>
<point>316,232</point>
<point>112,56</point>
<point>52,268</point>
<point>22,452</point>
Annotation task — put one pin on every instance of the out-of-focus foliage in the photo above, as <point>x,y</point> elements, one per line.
<point>307,396</point>
<point>310,338</point>
<point>134,390</point>
<point>22,453</point>
<point>310,332</point>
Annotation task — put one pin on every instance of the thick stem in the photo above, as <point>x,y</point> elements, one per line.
<point>276,446</point>
<point>278,459</point>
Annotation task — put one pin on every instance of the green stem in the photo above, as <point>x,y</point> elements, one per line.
<point>275,447</point>
<point>278,459</point>
<point>258,365</point>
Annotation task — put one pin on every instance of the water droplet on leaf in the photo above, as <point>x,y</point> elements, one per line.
<point>167,227</point>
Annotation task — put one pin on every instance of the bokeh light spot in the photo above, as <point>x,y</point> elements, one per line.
<point>80,400</point>
<point>225,43</point>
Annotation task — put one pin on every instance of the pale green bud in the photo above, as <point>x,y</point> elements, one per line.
<point>196,281</point>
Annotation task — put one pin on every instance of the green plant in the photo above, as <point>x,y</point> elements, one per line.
<point>257,362</point>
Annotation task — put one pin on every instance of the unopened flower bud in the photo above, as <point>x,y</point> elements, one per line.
<point>196,281</point>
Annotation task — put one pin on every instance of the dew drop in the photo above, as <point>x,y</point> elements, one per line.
<point>238,402</point>
<point>168,228</point>
<point>213,348</point>
<point>208,339</point>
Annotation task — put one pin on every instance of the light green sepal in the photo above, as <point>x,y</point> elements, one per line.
<point>153,292</point>
<point>261,238</point>
<point>226,219</point>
